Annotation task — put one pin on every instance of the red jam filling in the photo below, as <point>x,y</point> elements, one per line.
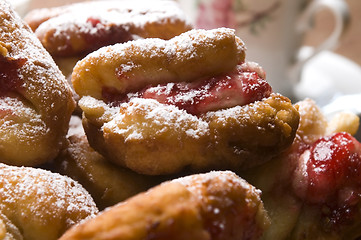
<point>97,35</point>
<point>332,175</point>
<point>224,91</point>
<point>9,75</point>
<point>103,34</point>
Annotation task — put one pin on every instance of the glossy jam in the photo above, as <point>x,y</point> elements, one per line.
<point>92,37</point>
<point>332,177</point>
<point>229,90</point>
<point>10,79</point>
<point>104,34</point>
<point>334,161</point>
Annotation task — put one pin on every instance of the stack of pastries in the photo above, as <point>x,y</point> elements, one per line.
<point>179,136</point>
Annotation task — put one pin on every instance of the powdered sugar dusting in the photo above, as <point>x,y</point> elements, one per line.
<point>133,13</point>
<point>85,27</point>
<point>159,117</point>
<point>43,89</point>
<point>22,43</point>
<point>190,48</point>
<point>185,58</point>
<point>19,121</point>
<point>226,178</point>
<point>239,87</point>
<point>222,192</point>
<point>39,74</point>
<point>94,108</point>
<point>47,200</point>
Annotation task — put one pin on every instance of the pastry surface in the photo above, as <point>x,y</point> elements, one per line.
<point>38,204</point>
<point>215,205</point>
<point>35,99</point>
<point>72,31</point>
<point>107,183</point>
<point>80,28</point>
<point>195,91</point>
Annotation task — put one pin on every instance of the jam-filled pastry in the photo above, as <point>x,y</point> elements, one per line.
<point>159,106</point>
<point>71,31</point>
<point>80,28</point>
<point>107,183</point>
<point>313,191</point>
<point>35,99</point>
<point>36,204</point>
<point>216,205</point>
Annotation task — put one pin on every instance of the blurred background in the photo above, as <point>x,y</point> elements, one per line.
<point>350,44</point>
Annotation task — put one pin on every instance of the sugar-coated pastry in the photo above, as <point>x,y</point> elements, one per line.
<point>40,205</point>
<point>312,191</point>
<point>159,106</point>
<point>107,183</point>
<point>215,205</point>
<point>128,67</point>
<point>35,99</point>
<point>71,31</point>
<point>80,28</point>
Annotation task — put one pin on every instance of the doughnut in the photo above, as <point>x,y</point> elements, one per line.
<point>80,28</point>
<point>35,99</point>
<point>39,204</point>
<point>214,205</point>
<point>312,191</point>
<point>107,183</point>
<point>192,102</point>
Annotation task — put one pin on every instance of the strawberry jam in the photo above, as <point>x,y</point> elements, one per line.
<point>329,174</point>
<point>96,35</point>
<point>10,79</point>
<point>103,34</point>
<point>224,91</point>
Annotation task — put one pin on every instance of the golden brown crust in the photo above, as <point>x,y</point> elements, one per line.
<point>79,28</point>
<point>216,205</point>
<point>107,183</point>
<point>41,204</point>
<point>35,113</point>
<point>157,145</point>
<point>133,65</point>
<point>246,136</point>
<point>153,138</point>
<point>313,123</point>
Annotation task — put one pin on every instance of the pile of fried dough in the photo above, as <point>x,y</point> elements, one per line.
<point>119,120</point>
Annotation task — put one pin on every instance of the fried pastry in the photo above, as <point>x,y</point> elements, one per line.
<point>159,106</point>
<point>76,29</point>
<point>38,204</point>
<point>313,190</point>
<point>107,183</point>
<point>35,99</point>
<point>83,27</point>
<point>215,205</point>
<point>71,31</point>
